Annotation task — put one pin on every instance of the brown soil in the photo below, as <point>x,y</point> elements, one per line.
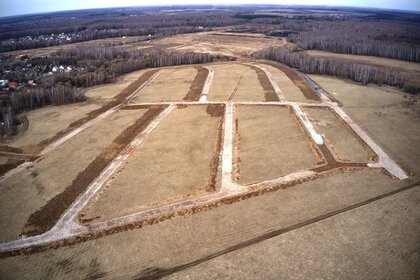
<point>9,165</point>
<point>197,86</point>
<point>45,218</point>
<point>269,93</point>
<point>332,163</point>
<point>215,111</point>
<point>307,91</point>
<point>135,107</point>
<point>237,158</point>
<point>35,149</point>
<point>9,149</point>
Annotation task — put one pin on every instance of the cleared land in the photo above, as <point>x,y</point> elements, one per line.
<point>218,43</point>
<point>172,84</point>
<point>235,82</point>
<point>390,116</point>
<point>288,88</point>
<point>344,146</point>
<point>211,232</point>
<point>28,191</point>
<point>174,161</point>
<point>46,123</point>
<point>270,144</point>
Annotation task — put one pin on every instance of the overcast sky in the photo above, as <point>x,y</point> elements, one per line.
<point>19,7</point>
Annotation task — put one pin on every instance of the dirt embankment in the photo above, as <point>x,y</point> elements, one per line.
<point>216,111</point>
<point>35,149</point>
<point>45,218</point>
<point>307,91</point>
<point>196,87</point>
<point>269,92</point>
<point>9,149</point>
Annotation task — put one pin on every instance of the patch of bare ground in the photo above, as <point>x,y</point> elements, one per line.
<point>269,93</point>
<point>271,144</point>
<point>177,160</point>
<point>43,219</point>
<point>10,164</point>
<point>197,85</point>
<point>307,91</point>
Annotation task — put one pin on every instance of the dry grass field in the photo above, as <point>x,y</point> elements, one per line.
<point>174,162</point>
<point>166,180</point>
<point>216,42</point>
<point>236,82</point>
<point>269,144</point>
<point>337,136</point>
<point>389,115</point>
<point>171,85</point>
<point>29,190</point>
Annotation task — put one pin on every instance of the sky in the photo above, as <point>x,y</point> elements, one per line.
<point>19,7</point>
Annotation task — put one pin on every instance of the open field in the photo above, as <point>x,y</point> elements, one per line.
<point>288,88</point>
<point>171,85</point>
<point>216,42</point>
<point>390,116</point>
<point>240,154</point>
<point>174,161</point>
<point>264,151</point>
<point>236,82</point>
<point>205,236</point>
<point>218,160</point>
<point>26,192</point>
<point>45,123</point>
<point>337,136</point>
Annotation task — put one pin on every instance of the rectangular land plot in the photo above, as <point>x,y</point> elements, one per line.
<point>292,89</point>
<point>235,82</point>
<point>29,190</point>
<point>338,138</point>
<point>171,84</point>
<point>174,161</point>
<point>269,144</point>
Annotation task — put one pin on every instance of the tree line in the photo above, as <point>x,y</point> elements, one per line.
<point>358,72</point>
<point>393,50</point>
<point>100,65</point>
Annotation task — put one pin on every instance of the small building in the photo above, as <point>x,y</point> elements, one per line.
<point>12,85</point>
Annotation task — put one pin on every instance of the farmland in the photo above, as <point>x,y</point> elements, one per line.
<point>217,167</point>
